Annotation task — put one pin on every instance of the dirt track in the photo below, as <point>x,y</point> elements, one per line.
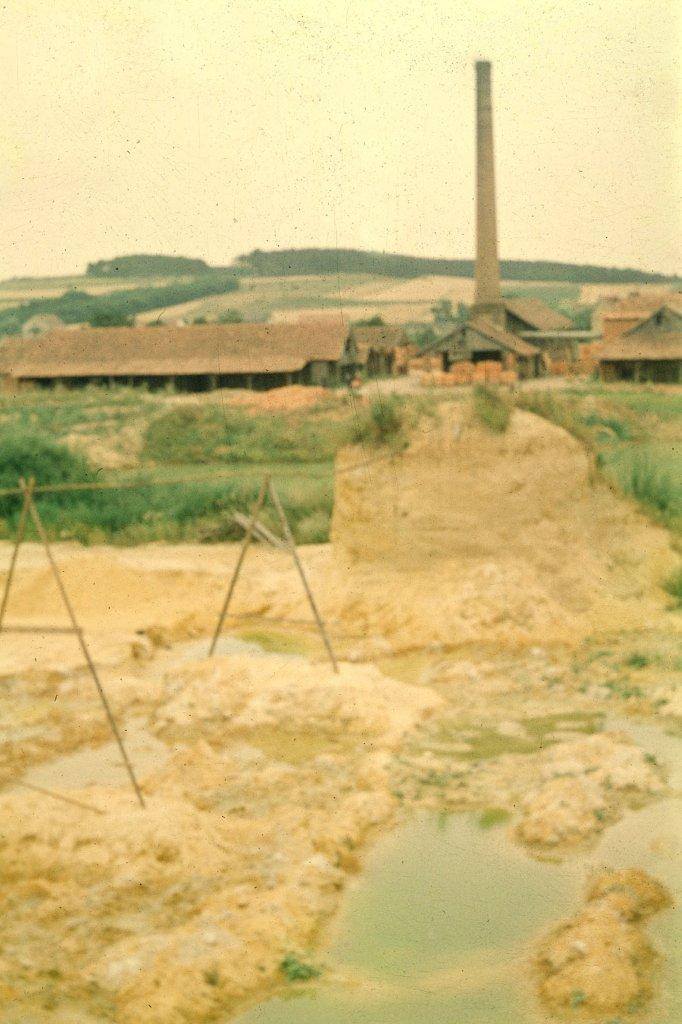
<point>265,773</point>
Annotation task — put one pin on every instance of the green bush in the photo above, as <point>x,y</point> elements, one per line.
<point>28,453</point>
<point>492,408</point>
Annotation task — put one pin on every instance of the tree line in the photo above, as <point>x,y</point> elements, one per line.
<point>285,262</point>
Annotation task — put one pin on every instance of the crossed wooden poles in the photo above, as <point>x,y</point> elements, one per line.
<point>253,528</point>
<point>29,510</point>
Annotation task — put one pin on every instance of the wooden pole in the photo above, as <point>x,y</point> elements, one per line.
<point>21,530</point>
<point>40,529</point>
<point>294,553</point>
<point>240,561</point>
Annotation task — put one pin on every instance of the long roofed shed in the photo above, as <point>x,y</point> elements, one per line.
<point>199,350</point>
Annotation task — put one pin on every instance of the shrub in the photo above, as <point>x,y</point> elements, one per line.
<point>491,408</point>
<point>383,422</point>
<point>231,316</point>
<point>28,453</point>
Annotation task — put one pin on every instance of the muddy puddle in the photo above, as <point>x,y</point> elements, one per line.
<point>101,765</point>
<point>442,923</point>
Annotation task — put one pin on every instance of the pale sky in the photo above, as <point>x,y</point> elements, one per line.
<point>212,127</point>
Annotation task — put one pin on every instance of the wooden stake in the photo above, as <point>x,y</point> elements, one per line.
<point>240,561</point>
<point>21,530</point>
<point>40,530</point>
<point>294,554</point>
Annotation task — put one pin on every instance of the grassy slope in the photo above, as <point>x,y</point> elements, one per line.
<point>636,435</point>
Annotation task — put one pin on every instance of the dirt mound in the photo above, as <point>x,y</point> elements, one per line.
<point>175,912</point>
<point>286,399</point>
<point>587,783</point>
<point>242,692</point>
<point>470,535</point>
<point>601,961</point>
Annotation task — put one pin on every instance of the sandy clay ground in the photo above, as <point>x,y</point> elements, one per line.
<point>495,610</point>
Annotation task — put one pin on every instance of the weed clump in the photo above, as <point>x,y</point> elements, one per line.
<point>646,482</point>
<point>383,422</point>
<point>294,969</point>
<point>673,586</point>
<point>491,408</point>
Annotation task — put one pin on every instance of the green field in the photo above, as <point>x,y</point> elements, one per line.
<point>129,436</point>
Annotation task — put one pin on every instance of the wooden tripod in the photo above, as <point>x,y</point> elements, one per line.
<point>29,510</point>
<point>286,543</point>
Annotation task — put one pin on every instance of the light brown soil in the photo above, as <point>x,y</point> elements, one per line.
<point>501,537</point>
<point>601,961</point>
<point>265,774</point>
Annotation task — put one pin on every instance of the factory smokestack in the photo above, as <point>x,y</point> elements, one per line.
<point>488,298</point>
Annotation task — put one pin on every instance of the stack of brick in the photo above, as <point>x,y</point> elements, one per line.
<point>462,373</point>
<point>425,363</point>
<point>488,371</point>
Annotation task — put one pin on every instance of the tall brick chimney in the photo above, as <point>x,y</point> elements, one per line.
<point>488,298</point>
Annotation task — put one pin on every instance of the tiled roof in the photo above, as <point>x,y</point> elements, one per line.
<point>174,351</point>
<point>537,314</point>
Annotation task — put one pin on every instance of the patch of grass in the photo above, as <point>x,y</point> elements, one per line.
<point>204,433</point>
<point>274,643</point>
<point>577,998</point>
<point>673,586</point>
<point>637,660</point>
<point>493,816</point>
<point>648,484</point>
<point>634,436</point>
<point>294,969</point>
<point>196,511</point>
<point>611,425</point>
<point>492,408</point>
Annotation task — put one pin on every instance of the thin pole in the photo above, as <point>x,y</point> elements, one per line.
<point>240,561</point>
<point>294,553</point>
<point>37,522</point>
<point>21,530</point>
<point>59,796</point>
